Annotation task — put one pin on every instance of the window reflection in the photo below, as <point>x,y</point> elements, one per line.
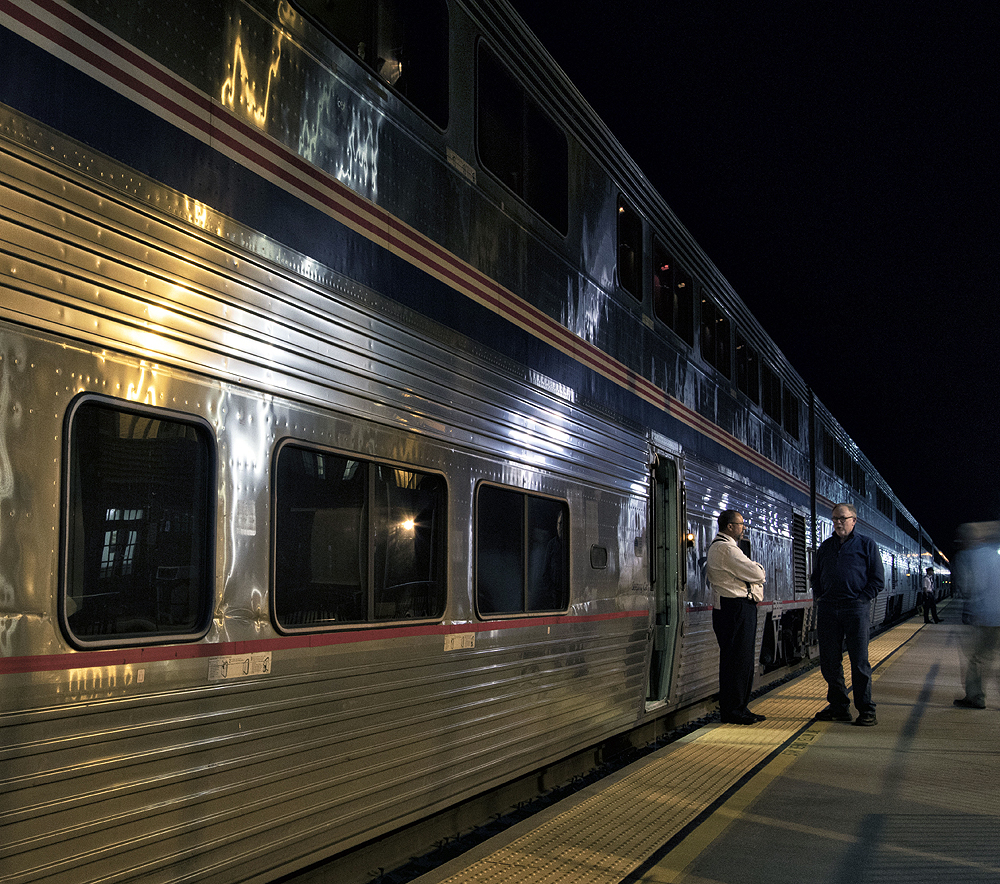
<point>139,526</point>
<point>355,541</point>
<point>521,555</point>
<point>404,43</point>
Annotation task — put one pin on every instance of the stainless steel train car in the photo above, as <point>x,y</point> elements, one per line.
<point>365,416</point>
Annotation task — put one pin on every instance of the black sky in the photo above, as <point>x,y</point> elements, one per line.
<point>836,162</point>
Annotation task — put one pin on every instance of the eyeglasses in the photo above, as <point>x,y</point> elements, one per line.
<point>844,519</point>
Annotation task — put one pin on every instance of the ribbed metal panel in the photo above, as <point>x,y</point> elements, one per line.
<point>157,774</point>
<point>331,748</point>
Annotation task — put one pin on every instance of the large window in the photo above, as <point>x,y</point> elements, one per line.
<point>770,392</point>
<point>629,249</point>
<point>747,369</point>
<point>716,339</point>
<point>790,413</point>
<point>673,294</point>
<point>838,459</point>
<point>883,502</point>
<point>521,554</point>
<point>404,43</point>
<point>519,144</point>
<point>355,541</point>
<point>140,520</point>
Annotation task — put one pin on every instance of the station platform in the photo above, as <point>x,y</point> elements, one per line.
<point>914,799</point>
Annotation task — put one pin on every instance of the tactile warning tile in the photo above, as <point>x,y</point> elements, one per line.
<point>886,644</point>
<point>613,828</point>
<point>604,837</point>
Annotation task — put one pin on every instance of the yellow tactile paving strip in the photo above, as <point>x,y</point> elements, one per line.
<point>614,827</point>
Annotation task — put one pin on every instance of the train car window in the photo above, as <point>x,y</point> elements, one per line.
<point>673,294</point>
<point>629,249</point>
<point>840,461</point>
<point>404,43</point>
<point>522,564</point>
<point>828,443</point>
<point>790,413</point>
<point>860,482</point>
<point>770,392</point>
<point>883,502</point>
<point>748,369</point>
<point>519,144</point>
<point>716,337</point>
<point>908,528</point>
<point>140,518</point>
<point>355,541</point>
<point>837,459</point>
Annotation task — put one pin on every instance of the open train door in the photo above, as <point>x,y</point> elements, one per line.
<point>666,576</point>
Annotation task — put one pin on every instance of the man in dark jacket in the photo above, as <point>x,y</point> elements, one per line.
<point>847,575</point>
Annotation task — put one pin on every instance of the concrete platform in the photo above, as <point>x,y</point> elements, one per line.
<point>915,799</point>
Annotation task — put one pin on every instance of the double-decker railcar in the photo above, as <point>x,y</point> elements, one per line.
<point>365,417</point>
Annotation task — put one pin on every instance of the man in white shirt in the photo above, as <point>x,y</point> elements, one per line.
<point>737,586</point>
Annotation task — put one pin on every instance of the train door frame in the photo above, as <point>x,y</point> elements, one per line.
<point>666,576</point>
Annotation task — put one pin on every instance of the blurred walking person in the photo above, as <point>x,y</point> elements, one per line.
<point>977,575</point>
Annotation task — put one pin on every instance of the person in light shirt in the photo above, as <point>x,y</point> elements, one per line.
<point>737,586</point>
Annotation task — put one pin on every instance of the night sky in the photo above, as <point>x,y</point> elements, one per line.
<point>836,162</point>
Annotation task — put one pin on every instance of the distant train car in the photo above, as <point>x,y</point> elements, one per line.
<point>364,418</point>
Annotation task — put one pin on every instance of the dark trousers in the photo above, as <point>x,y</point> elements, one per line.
<point>930,608</point>
<point>839,623</point>
<point>735,625</point>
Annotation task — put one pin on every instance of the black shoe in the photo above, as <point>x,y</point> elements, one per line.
<point>831,714</point>
<point>758,717</point>
<point>966,703</point>
<point>739,718</point>
<point>866,719</point>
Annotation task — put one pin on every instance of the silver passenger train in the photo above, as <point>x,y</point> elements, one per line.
<point>365,416</point>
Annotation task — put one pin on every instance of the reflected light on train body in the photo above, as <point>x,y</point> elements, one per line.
<point>240,92</point>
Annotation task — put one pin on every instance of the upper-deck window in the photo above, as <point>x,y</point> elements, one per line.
<point>747,369</point>
<point>140,520</point>
<point>629,249</point>
<point>404,43</point>
<point>883,502</point>
<point>770,393</point>
<point>716,338</point>
<point>673,294</point>
<point>355,541</point>
<point>519,144</point>
<point>790,413</point>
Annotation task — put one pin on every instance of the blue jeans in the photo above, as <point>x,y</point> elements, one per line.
<point>839,623</point>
